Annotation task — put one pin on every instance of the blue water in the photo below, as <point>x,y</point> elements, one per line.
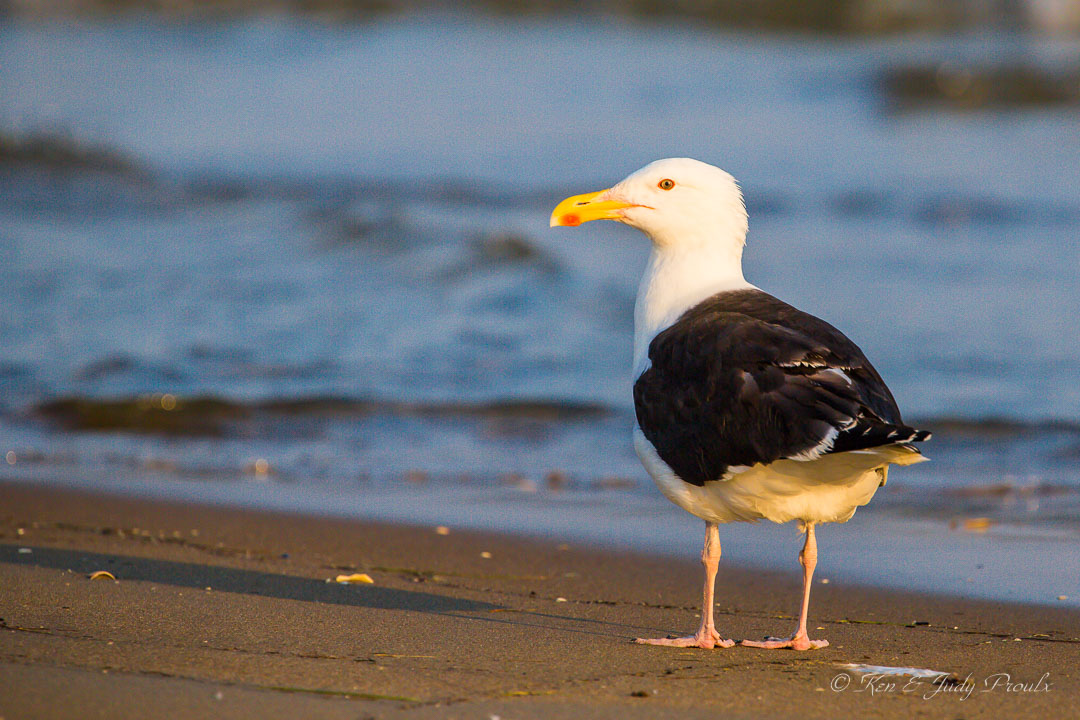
<point>360,213</point>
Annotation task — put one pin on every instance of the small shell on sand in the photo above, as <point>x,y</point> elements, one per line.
<point>354,579</point>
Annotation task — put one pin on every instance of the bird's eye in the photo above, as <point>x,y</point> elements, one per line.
<point>666,184</point>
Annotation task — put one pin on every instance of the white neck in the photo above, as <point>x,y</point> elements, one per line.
<point>676,279</point>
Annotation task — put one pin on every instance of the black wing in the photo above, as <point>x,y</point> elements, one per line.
<point>744,378</point>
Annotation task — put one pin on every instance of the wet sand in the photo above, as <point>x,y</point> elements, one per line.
<point>226,613</point>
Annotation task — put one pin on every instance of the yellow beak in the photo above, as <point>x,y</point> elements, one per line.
<point>582,208</point>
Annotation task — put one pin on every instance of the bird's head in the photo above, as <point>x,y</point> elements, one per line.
<point>676,202</point>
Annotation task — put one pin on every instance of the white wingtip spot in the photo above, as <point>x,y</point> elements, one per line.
<point>818,450</point>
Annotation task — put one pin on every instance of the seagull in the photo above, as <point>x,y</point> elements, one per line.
<point>746,407</point>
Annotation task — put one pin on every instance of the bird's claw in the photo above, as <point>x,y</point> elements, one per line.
<point>797,641</point>
<point>706,640</point>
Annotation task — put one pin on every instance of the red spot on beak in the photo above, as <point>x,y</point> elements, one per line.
<point>571,220</point>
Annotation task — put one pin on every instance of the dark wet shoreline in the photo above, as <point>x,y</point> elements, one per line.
<point>170,414</point>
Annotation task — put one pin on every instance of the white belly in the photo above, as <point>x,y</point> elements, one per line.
<point>827,489</point>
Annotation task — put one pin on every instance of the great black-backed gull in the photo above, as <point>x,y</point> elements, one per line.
<point>747,408</point>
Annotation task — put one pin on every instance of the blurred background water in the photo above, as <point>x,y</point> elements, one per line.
<point>284,261</point>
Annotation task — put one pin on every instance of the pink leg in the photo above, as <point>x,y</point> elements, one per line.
<point>799,640</point>
<point>706,636</point>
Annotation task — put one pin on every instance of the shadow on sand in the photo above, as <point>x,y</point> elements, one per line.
<point>250,582</point>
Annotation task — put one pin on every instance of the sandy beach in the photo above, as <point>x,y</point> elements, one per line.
<point>227,613</point>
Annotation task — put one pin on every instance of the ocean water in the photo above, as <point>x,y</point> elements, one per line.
<point>312,270</point>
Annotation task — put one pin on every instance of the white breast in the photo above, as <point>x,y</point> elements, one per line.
<point>675,280</point>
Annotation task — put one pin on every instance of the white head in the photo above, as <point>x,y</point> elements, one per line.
<point>677,202</point>
<point>695,217</point>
